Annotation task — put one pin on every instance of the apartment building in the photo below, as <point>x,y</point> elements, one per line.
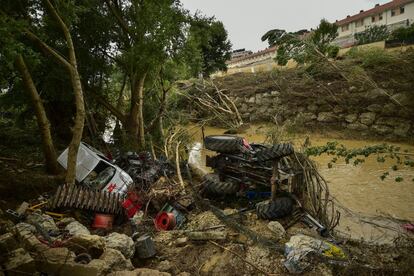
<point>394,14</point>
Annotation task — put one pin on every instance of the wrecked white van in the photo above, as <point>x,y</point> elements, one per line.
<point>94,170</point>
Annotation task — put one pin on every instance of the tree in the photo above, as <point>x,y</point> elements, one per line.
<point>302,48</point>
<point>42,120</point>
<point>210,37</point>
<point>372,34</point>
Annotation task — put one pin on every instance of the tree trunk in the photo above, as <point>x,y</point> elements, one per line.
<point>42,121</point>
<point>136,119</point>
<point>77,129</point>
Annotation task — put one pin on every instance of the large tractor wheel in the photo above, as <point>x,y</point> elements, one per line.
<point>224,143</point>
<point>279,208</point>
<point>274,152</point>
<point>213,185</point>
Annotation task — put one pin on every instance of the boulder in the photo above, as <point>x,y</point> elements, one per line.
<point>91,244</point>
<point>116,260</point>
<point>403,98</point>
<point>390,109</point>
<point>367,118</point>
<point>140,272</point>
<point>351,118</point>
<point>46,222</point>
<point>375,108</point>
<point>122,243</point>
<point>357,126</point>
<point>313,108</point>
<point>251,100</point>
<point>19,263</point>
<point>164,266</point>
<point>58,255</point>
<point>75,228</point>
<point>26,234</point>
<point>277,229</point>
<point>308,117</point>
<point>402,129</point>
<point>376,93</point>
<point>327,117</point>
<point>382,129</point>
<point>275,93</point>
<point>338,109</point>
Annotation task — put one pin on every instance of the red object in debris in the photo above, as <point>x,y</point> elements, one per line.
<point>103,221</point>
<point>409,227</point>
<point>164,221</point>
<point>132,204</point>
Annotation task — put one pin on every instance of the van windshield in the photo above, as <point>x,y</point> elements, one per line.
<point>100,176</point>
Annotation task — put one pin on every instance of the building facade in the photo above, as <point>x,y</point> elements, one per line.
<point>260,57</point>
<point>394,14</point>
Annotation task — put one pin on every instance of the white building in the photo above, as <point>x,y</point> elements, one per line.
<point>260,57</point>
<point>394,14</point>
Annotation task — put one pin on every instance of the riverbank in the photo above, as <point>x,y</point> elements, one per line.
<point>367,95</point>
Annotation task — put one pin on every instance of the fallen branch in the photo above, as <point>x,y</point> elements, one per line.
<point>241,257</point>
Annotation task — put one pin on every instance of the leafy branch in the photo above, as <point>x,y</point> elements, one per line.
<point>357,156</point>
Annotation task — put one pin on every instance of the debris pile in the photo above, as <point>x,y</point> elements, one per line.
<point>100,228</point>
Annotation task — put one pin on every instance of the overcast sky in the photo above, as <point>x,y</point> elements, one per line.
<point>246,21</point>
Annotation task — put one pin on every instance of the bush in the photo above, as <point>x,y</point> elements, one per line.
<point>372,34</point>
<point>372,57</point>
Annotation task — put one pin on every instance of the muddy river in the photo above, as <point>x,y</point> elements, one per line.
<point>371,208</point>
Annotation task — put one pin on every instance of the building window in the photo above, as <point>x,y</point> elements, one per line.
<point>373,19</point>
<point>397,11</point>
<point>345,28</point>
<point>359,23</point>
<point>376,18</point>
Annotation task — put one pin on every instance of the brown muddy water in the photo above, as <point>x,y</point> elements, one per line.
<point>372,210</point>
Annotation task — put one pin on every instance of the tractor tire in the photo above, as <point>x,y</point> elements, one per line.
<point>224,143</point>
<point>279,208</point>
<point>213,185</point>
<point>274,152</point>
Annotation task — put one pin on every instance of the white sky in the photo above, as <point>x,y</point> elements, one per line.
<point>246,21</point>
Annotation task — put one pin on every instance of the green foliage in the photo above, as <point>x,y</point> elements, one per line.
<point>304,49</point>
<point>372,34</point>
<point>357,156</point>
<point>372,57</point>
<point>208,47</point>
<point>404,34</point>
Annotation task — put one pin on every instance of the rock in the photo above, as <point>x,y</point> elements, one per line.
<point>357,126</point>
<point>91,244</point>
<point>75,228</point>
<point>375,108</point>
<point>402,129</point>
<point>352,89</point>
<point>45,221</point>
<point>313,108</point>
<point>26,234</point>
<point>402,98</point>
<point>307,117</point>
<point>259,98</point>
<point>351,118</point>
<point>251,100</point>
<point>7,243</point>
<point>375,93</point>
<point>327,117</point>
<point>122,243</point>
<point>140,272</point>
<point>64,222</point>
<point>58,255</point>
<point>367,118</point>
<point>390,109</point>
<point>338,109</point>
<point>382,129</point>
<point>116,260</point>
<point>19,263</point>
<point>275,93</point>
<point>164,266</point>
<point>277,229</point>
<point>181,241</point>
<point>184,274</point>
<point>94,268</point>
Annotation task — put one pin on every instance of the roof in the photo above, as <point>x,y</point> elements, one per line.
<point>376,10</point>
<point>259,53</point>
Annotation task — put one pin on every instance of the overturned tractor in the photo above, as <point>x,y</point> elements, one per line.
<point>240,168</point>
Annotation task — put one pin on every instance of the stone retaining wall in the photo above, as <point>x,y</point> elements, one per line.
<point>368,112</point>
